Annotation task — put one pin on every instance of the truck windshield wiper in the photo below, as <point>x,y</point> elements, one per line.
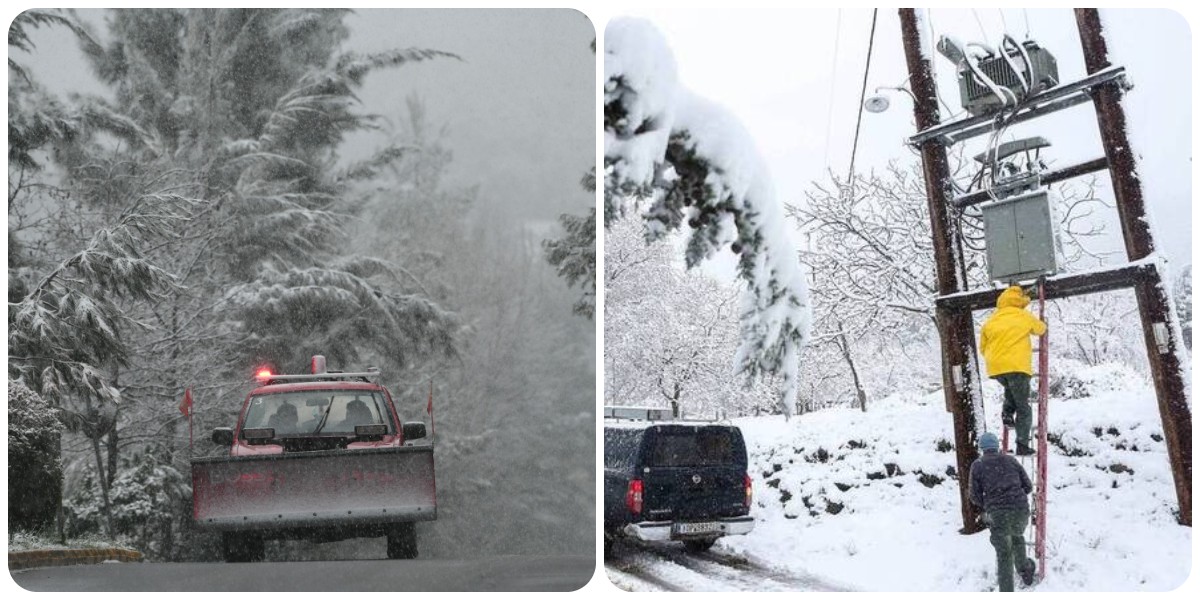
<point>324,417</point>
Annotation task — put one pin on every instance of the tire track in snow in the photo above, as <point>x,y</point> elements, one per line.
<point>798,579</point>
<point>639,574</point>
<point>716,571</point>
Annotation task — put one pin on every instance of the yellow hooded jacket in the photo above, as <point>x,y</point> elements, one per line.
<point>1005,335</point>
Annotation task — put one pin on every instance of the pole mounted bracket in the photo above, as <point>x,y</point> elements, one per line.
<point>1049,101</point>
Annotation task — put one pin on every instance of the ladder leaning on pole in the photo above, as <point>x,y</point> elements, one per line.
<point>1041,457</point>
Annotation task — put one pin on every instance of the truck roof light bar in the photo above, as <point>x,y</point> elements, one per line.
<point>638,413</point>
<point>320,377</point>
<point>646,413</point>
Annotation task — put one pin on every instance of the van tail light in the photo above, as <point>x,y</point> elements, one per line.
<point>633,497</point>
<point>749,491</point>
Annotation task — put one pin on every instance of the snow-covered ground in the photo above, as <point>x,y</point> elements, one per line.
<point>886,474</point>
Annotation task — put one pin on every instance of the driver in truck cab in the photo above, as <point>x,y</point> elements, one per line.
<point>285,419</point>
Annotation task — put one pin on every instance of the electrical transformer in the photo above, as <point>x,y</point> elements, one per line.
<point>978,98</point>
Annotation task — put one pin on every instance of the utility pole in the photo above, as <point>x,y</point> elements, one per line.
<point>1104,86</point>
<point>960,371</point>
<point>1159,323</point>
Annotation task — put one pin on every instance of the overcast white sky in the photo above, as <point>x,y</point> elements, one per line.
<point>775,69</point>
<point>520,109</point>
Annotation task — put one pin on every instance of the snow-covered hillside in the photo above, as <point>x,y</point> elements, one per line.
<point>870,500</point>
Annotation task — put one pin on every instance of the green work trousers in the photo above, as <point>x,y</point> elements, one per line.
<point>1008,537</point>
<point>1016,401</point>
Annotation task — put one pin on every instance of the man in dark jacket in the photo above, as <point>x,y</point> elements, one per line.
<point>1000,486</point>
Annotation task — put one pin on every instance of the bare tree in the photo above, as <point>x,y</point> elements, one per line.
<point>871,256</point>
<point>670,332</point>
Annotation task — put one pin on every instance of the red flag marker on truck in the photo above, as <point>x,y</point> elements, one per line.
<point>429,409</point>
<point>185,407</point>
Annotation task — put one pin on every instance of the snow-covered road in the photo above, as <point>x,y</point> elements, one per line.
<point>668,567</point>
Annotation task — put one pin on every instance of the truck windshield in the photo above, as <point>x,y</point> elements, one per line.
<point>299,413</point>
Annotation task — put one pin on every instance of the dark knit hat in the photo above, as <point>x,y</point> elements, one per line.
<point>988,442</point>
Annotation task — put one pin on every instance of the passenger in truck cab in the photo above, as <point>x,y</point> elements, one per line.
<point>285,419</point>
<point>357,413</point>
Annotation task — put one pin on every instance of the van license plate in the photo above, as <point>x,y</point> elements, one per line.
<point>695,528</point>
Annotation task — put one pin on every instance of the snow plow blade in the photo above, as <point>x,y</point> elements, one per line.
<point>369,486</point>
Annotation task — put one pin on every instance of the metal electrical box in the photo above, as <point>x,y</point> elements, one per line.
<point>1019,236</point>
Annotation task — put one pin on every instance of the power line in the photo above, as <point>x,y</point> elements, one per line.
<point>933,64</point>
<point>982,31</point>
<point>863,97</point>
<point>837,35</point>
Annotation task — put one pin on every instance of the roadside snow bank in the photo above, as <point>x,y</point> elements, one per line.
<point>871,499</point>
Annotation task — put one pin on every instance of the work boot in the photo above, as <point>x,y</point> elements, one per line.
<point>1008,419</point>
<point>1027,572</point>
<point>1024,450</point>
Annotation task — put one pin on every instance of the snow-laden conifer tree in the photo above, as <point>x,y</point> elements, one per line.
<point>574,255</point>
<point>696,164</point>
<point>194,225</point>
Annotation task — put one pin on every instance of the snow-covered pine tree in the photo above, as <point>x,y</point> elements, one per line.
<point>149,499</point>
<point>258,101</point>
<point>237,116</point>
<point>67,330</point>
<point>574,255</point>
<point>696,164</point>
<point>34,466</point>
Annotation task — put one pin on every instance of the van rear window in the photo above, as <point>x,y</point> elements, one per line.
<point>621,447</point>
<point>696,448</point>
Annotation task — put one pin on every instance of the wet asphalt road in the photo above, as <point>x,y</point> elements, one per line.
<point>499,573</point>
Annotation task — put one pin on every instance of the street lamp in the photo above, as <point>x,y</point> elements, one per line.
<point>879,102</point>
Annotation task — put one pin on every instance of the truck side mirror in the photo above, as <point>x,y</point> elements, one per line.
<point>413,430</point>
<point>222,436</point>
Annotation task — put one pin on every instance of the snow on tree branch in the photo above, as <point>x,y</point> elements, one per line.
<point>696,162</point>
<point>574,256</point>
<point>68,325</point>
<point>338,311</point>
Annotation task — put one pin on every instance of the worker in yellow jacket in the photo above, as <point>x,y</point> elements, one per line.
<point>1009,357</point>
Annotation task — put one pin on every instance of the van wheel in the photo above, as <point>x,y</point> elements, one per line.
<point>699,545</point>
<point>402,541</point>
<point>609,540</point>
<point>242,547</point>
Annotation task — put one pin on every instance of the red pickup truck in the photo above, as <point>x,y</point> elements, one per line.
<point>322,457</point>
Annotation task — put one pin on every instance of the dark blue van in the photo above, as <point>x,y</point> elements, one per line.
<point>684,481</point>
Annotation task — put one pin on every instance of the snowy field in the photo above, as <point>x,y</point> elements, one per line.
<point>885,474</point>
